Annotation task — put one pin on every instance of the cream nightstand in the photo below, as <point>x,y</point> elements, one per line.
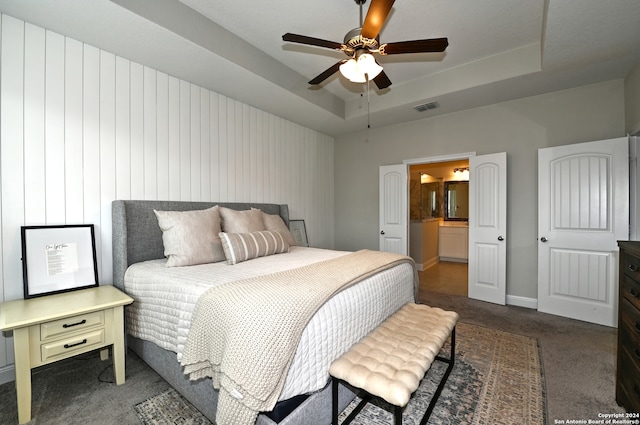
<point>54,327</point>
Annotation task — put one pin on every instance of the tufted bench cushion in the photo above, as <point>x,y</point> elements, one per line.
<point>391,361</point>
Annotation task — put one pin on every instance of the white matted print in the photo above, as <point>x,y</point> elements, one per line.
<point>299,232</point>
<point>58,259</point>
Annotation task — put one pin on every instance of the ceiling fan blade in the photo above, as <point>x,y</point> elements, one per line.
<point>327,73</point>
<point>382,81</point>
<point>303,39</point>
<point>376,15</point>
<point>415,46</point>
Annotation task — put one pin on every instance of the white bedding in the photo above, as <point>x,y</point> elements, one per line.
<point>166,296</point>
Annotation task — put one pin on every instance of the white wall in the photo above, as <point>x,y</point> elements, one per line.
<point>519,127</point>
<point>81,127</point>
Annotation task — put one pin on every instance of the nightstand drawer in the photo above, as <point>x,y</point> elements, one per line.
<point>629,380</point>
<point>630,317</point>
<point>630,290</point>
<point>69,346</point>
<point>71,324</point>
<point>630,340</point>
<point>630,266</point>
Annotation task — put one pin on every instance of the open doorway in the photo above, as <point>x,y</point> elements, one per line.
<point>438,227</point>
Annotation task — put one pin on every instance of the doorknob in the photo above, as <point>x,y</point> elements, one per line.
<point>500,238</point>
<point>382,232</point>
<point>543,239</point>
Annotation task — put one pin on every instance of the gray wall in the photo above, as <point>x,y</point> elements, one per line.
<point>632,100</point>
<point>519,127</point>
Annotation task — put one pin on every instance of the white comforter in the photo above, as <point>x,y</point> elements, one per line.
<point>166,296</point>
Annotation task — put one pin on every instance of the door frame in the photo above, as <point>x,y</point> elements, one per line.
<point>440,158</point>
<point>431,160</point>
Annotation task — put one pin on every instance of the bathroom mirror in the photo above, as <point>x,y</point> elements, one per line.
<point>456,200</point>
<point>430,199</point>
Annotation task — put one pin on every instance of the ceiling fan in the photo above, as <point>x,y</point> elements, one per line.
<point>360,43</point>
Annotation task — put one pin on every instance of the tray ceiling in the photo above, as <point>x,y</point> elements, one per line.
<point>498,50</point>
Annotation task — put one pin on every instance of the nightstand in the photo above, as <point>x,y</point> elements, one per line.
<point>54,327</point>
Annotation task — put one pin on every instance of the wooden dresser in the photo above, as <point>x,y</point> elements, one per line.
<point>628,362</point>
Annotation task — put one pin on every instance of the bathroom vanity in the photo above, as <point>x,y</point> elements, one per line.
<point>453,238</point>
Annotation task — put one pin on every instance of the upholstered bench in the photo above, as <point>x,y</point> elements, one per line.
<point>390,362</point>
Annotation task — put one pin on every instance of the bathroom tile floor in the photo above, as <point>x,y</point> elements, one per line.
<point>445,277</point>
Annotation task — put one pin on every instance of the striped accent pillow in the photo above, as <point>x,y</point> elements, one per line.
<point>240,247</point>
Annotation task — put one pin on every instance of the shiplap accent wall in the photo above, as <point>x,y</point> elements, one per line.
<point>81,127</point>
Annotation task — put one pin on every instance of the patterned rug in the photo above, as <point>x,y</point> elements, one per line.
<point>169,408</point>
<point>497,379</point>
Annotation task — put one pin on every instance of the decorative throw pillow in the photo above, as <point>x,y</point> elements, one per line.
<point>245,221</point>
<point>275,222</point>
<point>240,247</point>
<point>191,237</point>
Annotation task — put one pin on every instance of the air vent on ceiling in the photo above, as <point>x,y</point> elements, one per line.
<point>426,106</point>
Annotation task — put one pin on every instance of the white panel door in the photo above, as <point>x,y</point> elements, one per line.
<point>488,227</point>
<point>583,202</point>
<point>393,209</point>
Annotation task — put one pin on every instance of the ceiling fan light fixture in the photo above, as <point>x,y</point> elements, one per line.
<point>368,65</point>
<point>358,71</point>
<point>350,71</point>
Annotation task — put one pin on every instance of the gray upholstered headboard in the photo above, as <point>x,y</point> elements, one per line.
<point>137,236</point>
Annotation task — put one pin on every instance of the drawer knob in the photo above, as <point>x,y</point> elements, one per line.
<point>636,353</point>
<point>633,268</point>
<point>69,325</point>
<point>633,293</point>
<point>84,341</point>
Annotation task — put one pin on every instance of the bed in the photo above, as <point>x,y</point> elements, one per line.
<point>340,321</point>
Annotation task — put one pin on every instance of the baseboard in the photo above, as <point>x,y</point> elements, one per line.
<point>454,260</point>
<point>7,374</point>
<point>522,301</point>
<point>427,264</point>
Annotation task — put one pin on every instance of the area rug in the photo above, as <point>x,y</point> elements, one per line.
<point>497,379</point>
<point>167,408</point>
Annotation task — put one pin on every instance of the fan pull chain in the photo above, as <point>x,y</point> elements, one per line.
<point>368,104</point>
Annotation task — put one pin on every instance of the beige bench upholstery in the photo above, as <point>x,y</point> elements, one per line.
<point>391,361</point>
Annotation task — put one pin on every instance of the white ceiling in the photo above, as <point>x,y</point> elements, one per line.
<point>498,50</point>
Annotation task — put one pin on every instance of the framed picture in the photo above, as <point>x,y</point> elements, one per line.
<point>299,232</point>
<point>58,259</point>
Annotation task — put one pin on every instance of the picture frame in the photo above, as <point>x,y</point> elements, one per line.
<point>299,232</point>
<point>58,259</point>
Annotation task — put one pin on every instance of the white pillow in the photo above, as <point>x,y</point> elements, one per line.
<point>191,237</point>
<point>240,247</point>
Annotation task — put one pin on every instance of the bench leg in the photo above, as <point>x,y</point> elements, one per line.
<point>334,401</point>
<point>398,414</point>
<point>365,398</point>
<point>443,381</point>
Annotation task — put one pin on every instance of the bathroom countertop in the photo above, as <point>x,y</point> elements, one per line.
<point>425,220</point>
<point>454,223</point>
